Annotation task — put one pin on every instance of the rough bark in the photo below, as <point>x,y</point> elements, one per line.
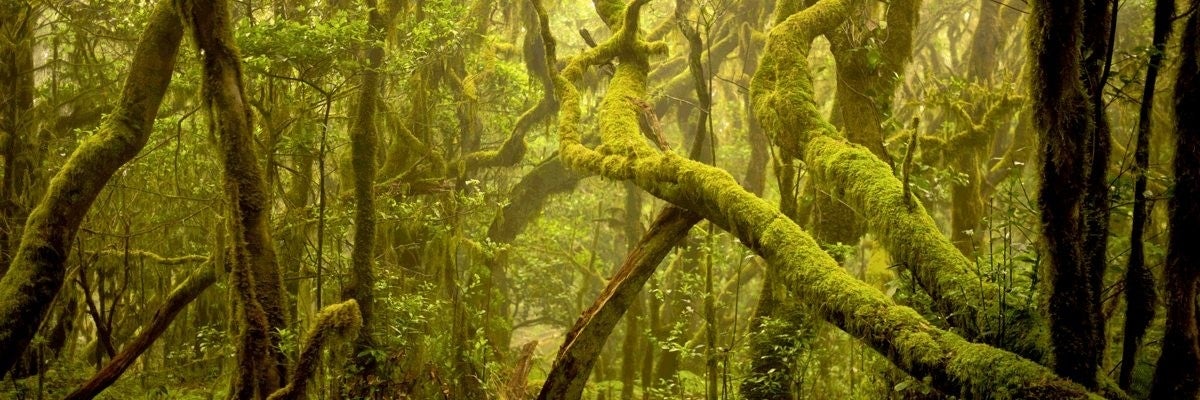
<point>37,270</point>
<point>1140,297</point>
<point>1176,375</point>
<point>255,275</point>
<point>1065,119</point>
<point>583,343</point>
<point>175,302</point>
<point>953,365</point>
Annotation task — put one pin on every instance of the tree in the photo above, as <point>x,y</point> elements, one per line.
<point>36,273</point>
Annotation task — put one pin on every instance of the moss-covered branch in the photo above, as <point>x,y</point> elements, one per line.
<point>36,273</point>
<point>954,365</point>
<point>155,257</point>
<point>784,102</point>
<point>337,321</point>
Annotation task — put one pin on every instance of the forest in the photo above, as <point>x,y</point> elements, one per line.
<point>599,199</point>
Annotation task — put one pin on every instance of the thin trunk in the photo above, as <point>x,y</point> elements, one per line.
<point>363,142</point>
<point>1140,297</point>
<point>1176,376</point>
<point>174,303</point>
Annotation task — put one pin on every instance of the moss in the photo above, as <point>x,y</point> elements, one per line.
<point>37,269</point>
<point>338,321</point>
<point>955,365</point>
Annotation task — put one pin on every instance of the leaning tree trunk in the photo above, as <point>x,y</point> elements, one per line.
<point>255,275</point>
<point>36,273</point>
<point>1176,376</point>
<point>175,302</point>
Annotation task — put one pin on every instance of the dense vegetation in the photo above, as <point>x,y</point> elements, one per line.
<point>608,199</point>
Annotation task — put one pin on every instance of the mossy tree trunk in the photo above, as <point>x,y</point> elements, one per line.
<point>1073,198</point>
<point>1176,376</point>
<point>363,142</point>
<point>36,272</point>
<point>255,275</point>
<point>952,364</point>
<point>782,94</point>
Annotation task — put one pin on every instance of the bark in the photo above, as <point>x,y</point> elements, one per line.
<point>1176,374</point>
<point>342,320</point>
<point>1140,297</point>
<point>1066,120</point>
<point>583,343</point>
<point>518,387</point>
<point>174,303</point>
<point>37,270</point>
<point>952,364</point>
<point>255,276</point>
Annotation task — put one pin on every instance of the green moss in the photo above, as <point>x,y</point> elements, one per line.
<point>814,278</point>
<point>338,321</point>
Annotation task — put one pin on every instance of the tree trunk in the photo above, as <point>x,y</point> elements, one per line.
<point>255,275</point>
<point>1140,297</point>
<point>1073,198</point>
<point>17,20</point>
<point>1176,376</point>
<point>574,362</point>
<point>36,273</point>
<point>363,142</point>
